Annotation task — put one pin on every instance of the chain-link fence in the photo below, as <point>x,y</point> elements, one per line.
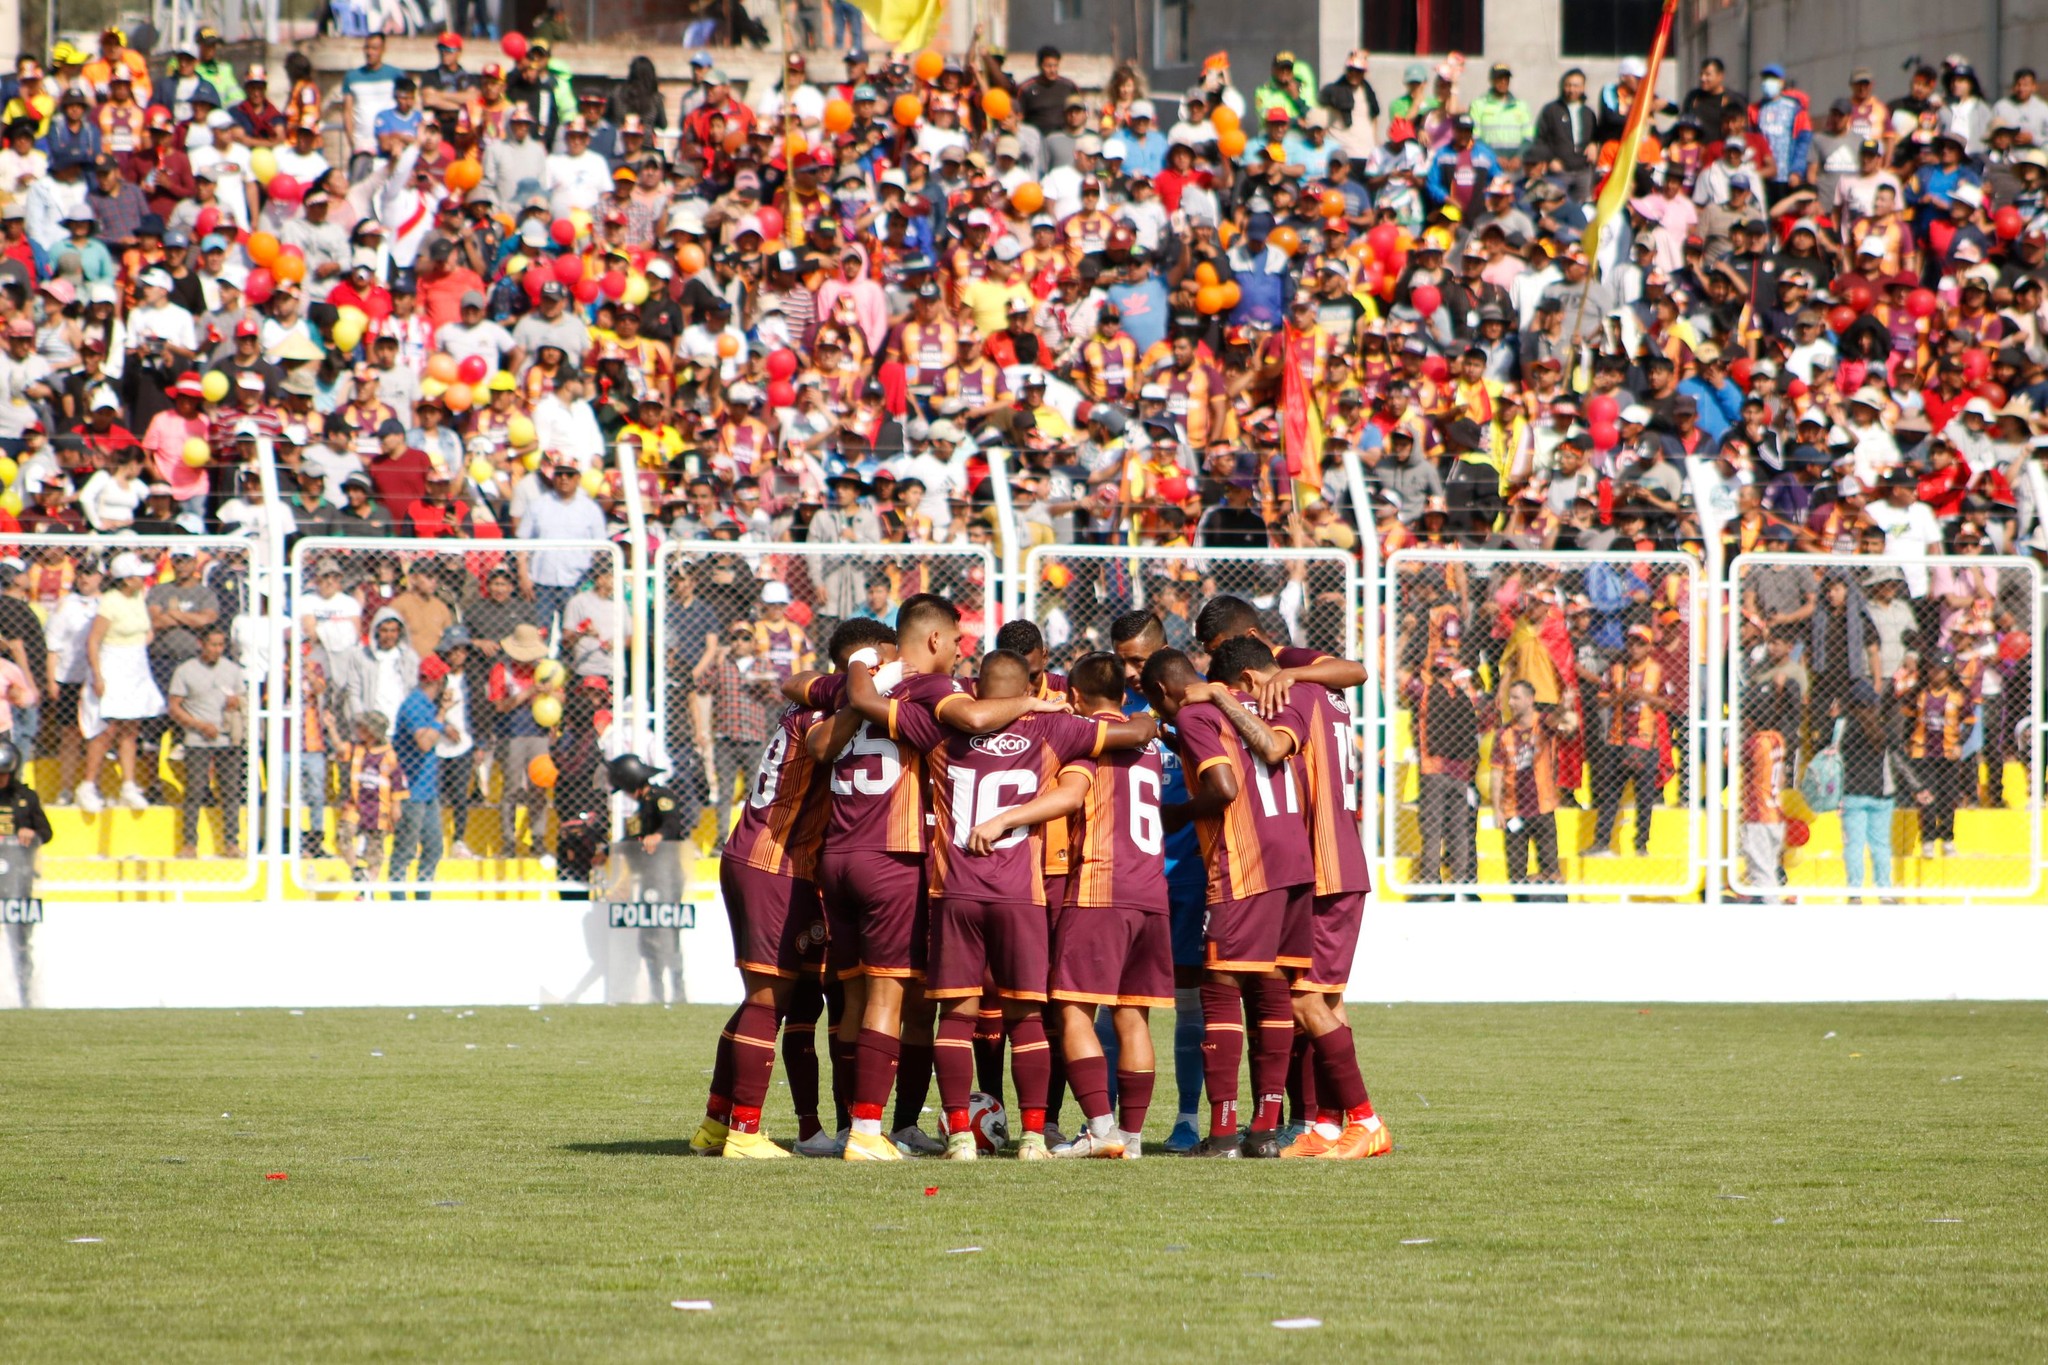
<point>1542,715</point>
<point>452,707</point>
<point>1884,725</point>
<point>131,673</point>
<point>734,619</point>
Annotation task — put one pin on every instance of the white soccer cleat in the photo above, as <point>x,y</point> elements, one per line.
<point>1133,1145</point>
<point>1088,1145</point>
<point>1032,1148</point>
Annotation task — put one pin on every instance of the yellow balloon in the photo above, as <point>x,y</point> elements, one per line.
<point>530,461</point>
<point>519,431</point>
<point>636,289</point>
<point>263,165</point>
<point>8,470</point>
<point>549,674</point>
<point>482,470</point>
<point>352,316</point>
<point>214,386</point>
<point>547,711</point>
<point>582,219</point>
<point>197,452</point>
<point>593,482</point>
<point>347,336</point>
<point>10,502</point>
<point>431,387</point>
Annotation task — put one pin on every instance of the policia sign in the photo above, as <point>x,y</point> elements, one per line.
<point>22,910</point>
<point>651,915</point>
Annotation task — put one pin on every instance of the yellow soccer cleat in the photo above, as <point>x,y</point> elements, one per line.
<point>1310,1143</point>
<point>709,1139</point>
<point>871,1147</point>
<point>1357,1142</point>
<point>753,1147</point>
<point>1032,1148</point>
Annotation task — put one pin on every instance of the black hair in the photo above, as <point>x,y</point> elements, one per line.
<point>855,634</point>
<point>1713,63</point>
<point>1133,624</point>
<point>924,611</point>
<point>1222,617</point>
<point>1049,51</point>
<point>1100,674</point>
<point>1020,638</point>
<point>1167,666</point>
<point>998,662</point>
<point>1233,658</point>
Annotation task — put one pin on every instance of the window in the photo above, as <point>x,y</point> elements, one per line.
<point>1423,26</point>
<point>1610,28</point>
<point>1066,11</point>
<point>1170,43</point>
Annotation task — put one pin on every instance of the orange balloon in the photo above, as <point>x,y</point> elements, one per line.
<point>735,140</point>
<point>1333,204</point>
<point>1231,142</point>
<point>542,772</point>
<point>1231,294</point>
<point>727,346</point>
<point>794,146</point>
<point>288,269</point>
<point>1286,238</point>
<point>1205,273</point>
<point>928,66</point>
<point>907,110</point>
<point>1224,118</point>
<point>463,175</point>
<point>996,104</point>
<point>458,398</point>
<point>262,247</point>
<point>690,257</point>
<point>1027,198</point>
<point>838,116</point>
<point>442,366</point>
<point>1209,299</point>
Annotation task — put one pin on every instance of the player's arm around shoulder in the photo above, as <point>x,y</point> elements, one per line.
<point>1066,797</point>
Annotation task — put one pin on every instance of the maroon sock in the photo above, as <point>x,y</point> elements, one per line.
<point>718,1106</point>
<point>1275,1011</point>
<point>1134,1097</point>
<point>1056,1075</point>
<point>953,1058</point>
<point>800,1068</point>
<point>1301,1078</point>
<point>913,1084</point>
<point>845,1057</point>
<point>1090,1078</point>
<point>1030,1060</point>
<point>753,1065</point>
<point>988,1051</point>
<point>874,1073</point>
<point>1222,1051</point>
<point>1337,1060</point>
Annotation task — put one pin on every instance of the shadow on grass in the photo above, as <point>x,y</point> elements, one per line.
<point>632,1147</point>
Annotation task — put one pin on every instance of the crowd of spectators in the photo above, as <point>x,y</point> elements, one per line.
<point>468,302</point>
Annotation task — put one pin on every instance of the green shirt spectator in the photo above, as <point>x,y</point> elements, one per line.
<point>1292,87</point>
<point>1503,120</point>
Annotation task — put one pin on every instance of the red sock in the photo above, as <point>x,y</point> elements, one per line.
<point>1030,1065</point>
<point>1275,1005</point>
<point>1133,1098</point>
<point>1222,1051</point>
<point>913,1084</point>
<point>874,1073</point>
<point>953,1057</point>
<point>1090,1079</point>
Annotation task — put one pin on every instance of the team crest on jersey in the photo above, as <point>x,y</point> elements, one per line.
<point>1339,703</point>
<point>1001,746</point>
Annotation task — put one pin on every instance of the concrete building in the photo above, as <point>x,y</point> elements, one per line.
<point>1819,43</point>
<point>1536,39</point>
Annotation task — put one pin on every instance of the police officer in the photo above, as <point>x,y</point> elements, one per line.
<point>23,828</point>
<point>652,856</point>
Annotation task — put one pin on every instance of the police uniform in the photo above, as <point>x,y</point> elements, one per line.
<point>20,809</point>
<point>657,877</point>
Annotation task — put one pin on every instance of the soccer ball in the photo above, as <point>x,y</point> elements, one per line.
<point>985,1117</point>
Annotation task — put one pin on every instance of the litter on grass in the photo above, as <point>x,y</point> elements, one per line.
<point>1950,1080</point>
<point>1825,1036</point>
<point>691,1305</point>
<point>1417,1241</point>
<point>81,1241</point>
<point>376,1052</point>
<point>1731,1196</point>
<point>1944,1220</point>
<point>963,1251</point>
<point>469,1047</point>
<point>297,1013</point>
<point>1424,1099</point>
<point>276,1175</point>
<point>1297,1324</point>
<point>1776,1221</point>
<point>930,1190</point>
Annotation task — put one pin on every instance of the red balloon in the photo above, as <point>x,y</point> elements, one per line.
<point>1922,303</point>
<point>1975,366</point>
<point>1740,372</point>
<point>291,249</point>
<point>473,369</point>
<point>1602,407</point>
<point>771,220</point>
<point>1841,318</point>
<point>1604,435</point>
<point>534,279</point>
<point>564,232</point>
<point>2009,223</point>
<point>260,285</point>
<point>207,221</point>
<point>1384,240</point>
<point>1860,297</point>
<point>1992,393</point>
<point>781,393</point>
<point>1427,298</point>
<point>781,364</point>
<point>613,282</point>
<point>513,45</point>
<point>567,269</point>
<point>1436,369</point>
<point>1797,832</point>
<point>378,306</point>
<point>285,189</point>
<point>585,290</point>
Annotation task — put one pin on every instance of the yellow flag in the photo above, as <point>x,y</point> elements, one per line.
<point>905,25</point>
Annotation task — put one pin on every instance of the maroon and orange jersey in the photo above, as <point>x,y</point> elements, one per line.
<point>1526,758</point>
<point>1942,717</point>
<point>783,823</point>
<point>1763,779</point>
<point>975,778</point>
<point>1327,749</point>
<point>877,784</point>
<point>1260,841</point>
<point>1634,724</point>
<point>1117,837</point>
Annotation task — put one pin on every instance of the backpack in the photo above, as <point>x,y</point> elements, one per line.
<point>1821,784</point>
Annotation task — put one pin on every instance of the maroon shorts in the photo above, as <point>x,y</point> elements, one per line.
<point>778,925</point>
<point>1055,897</point>
<point>1243,935</point>
<point>1335,939</point>
<point>1297,929</point>
<point>874,912</point>
<point>1113,955</point>
<point>1001,941</point>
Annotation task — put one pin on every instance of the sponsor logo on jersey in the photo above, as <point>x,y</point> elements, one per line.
<point>1000,745</point>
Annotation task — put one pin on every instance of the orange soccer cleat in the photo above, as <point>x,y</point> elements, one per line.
<point>1358,1142</point>
<point>1310,1143</point>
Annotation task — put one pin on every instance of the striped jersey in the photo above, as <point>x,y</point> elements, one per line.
<point>1259,842</point>
<point>975,778</point>
<point>783,822</point>
<point>877,781</point>
<point>1117,836</point>
<point>1941,721</point>
<point>1526,758</point>
<point>1763,778</point>
<point>1327,751</point>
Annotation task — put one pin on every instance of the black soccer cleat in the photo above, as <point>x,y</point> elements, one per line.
<point>1214,1146</point>
<point>1261,1145</point>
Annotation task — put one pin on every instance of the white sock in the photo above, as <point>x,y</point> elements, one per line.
<point>1102,1125</point>
<point>872,1127</point>
<point>1325,1130</point>
<point>1372,1125</point>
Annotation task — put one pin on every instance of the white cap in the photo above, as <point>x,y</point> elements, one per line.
<point>1636,413</point>
<point>775,593</point>
<point>743,393</point>
<point>1008,250</point>
<point>1980,407</point>
<point>104,398</point>
<point>1632,66</point>
<point>130,566</point>
<point>1142,109</point>
<point>1871,247</point>
<point>1115,149</point>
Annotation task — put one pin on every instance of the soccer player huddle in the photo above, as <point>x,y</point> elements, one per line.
<point>944,868</point>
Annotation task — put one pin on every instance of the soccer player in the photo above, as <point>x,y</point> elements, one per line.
<point>988,904</point>
<point>1315,724</point>
<point>1135,637</point>
<point>872,874</point>
<point>1254,837</point>
<point>1112,947</point>
<point>767,874</point>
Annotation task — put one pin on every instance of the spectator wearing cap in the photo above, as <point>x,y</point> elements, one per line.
<point>422,727</point>
<point>1289,87</point>
<point>1503,120</point>
<point>445,89</point>
<point>26,389</point>
<point>550,324</point>
<point>260,122</point>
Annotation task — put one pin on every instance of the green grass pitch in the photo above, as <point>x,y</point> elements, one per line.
<point>1580,1182</point>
